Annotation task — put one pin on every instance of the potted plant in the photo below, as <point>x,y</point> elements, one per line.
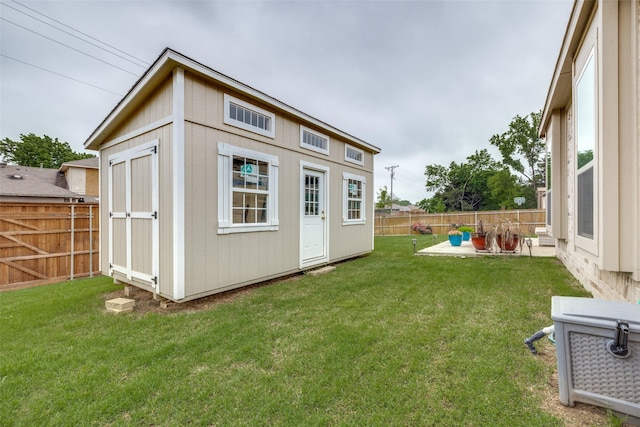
<point>455,237</point>
<point>507,235</point>
<point>421,228</point>
<point>466,232</point>
<point>479,238</point>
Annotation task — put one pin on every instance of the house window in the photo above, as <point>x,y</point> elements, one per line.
<point>248,117</point>
<point>354,203</point>
<point>547,196</point>
<point>247,190</point>
<point>313,140</point>
<point>354,155</point>
<point>585,110</point>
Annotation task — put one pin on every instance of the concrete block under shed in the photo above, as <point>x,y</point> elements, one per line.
<point>120,305</point>
<point>319,271</point>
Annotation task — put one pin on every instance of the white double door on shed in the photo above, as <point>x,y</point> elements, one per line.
<point>314,220</point>
<point>133,214</point>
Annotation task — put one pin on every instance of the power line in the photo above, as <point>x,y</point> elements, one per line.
<point>65,45</point>
<point>84,34</point>
<point>58,74</point>
<point>73,35</point>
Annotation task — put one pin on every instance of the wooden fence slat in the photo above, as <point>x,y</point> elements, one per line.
<point>389,225</point>
<point>25,269</point>
<point>44,256</point>
<point>36,243</point>
<point>21,224</point>
<point>25,244</point>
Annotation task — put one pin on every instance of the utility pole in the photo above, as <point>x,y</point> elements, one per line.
<point>393,173</point>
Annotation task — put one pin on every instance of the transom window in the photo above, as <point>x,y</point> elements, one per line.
<point>354,205</point>
<point>313,140</point>
<point>247,190</point>
<point>248,117</point>
<point>353,155</point>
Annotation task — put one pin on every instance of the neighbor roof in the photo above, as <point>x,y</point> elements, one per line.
<point>90,163</point>
<point>163,66</point>
<point>26,181</point>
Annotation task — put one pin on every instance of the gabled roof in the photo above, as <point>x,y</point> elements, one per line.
<point>23,181</point>
<point>90,163</point>
<point>164,66</point>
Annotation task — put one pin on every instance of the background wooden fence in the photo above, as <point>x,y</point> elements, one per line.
<point>394,225</point>
<point>47,243</point>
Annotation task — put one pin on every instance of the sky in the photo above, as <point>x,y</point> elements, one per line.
<point>428,82</point>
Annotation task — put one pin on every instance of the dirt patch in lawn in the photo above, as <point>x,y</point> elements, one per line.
<point>581,415</point>
<point>145,303</point>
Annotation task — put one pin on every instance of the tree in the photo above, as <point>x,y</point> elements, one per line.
<point>461,186</point>
<point>504,188</point>
<point>38,151</point>
<point>432,205</point>
<point>384,198</point>
<point>522,150</point>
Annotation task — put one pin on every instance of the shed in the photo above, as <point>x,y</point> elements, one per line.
<point>207,185</point>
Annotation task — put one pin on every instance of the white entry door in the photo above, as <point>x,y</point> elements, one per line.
<point>314,217</point>
<point>133,215</point>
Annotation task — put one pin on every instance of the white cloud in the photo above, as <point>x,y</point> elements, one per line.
<point>426,81</point>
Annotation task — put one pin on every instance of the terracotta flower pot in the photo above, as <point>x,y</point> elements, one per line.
<point>479,241</point>
<point>508,245</point>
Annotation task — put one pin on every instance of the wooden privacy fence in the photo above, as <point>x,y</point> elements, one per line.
<point>395,225</point>
<point>47,243</point>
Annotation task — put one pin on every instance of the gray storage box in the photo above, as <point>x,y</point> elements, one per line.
<point>593,365</point>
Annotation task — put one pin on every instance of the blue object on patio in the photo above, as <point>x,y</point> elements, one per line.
<point>455,240</point>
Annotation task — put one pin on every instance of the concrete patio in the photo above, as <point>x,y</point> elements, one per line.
<point>467,249</point>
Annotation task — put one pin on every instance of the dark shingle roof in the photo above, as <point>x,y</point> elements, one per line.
<point>33,182</point>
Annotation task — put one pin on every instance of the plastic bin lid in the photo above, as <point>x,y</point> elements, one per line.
<point>595,312</point>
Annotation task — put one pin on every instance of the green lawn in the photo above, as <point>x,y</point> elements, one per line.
<point>387,339</point>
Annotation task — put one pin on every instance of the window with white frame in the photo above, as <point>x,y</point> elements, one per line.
<point>313,140</point>
<point>547,196</point>
<point>353,211</point>
<point>585,122</point>
<point>354,155</point>
<point>247,190</point>
<point>248,117</point>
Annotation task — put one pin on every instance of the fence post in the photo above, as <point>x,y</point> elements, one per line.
<point>90,241</point>
<point>73,213</point>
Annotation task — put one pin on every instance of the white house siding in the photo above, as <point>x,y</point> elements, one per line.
<point>77,180</point>
<point>591,269</point>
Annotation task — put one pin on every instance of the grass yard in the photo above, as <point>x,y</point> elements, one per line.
<point>387,339</point>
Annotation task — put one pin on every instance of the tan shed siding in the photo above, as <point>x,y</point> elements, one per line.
<point>156,106</point>
<point>220,261</point>
<point>164,136</point>
<point>204,105</point>
<point>347,240</point>
<point>230,259</point>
